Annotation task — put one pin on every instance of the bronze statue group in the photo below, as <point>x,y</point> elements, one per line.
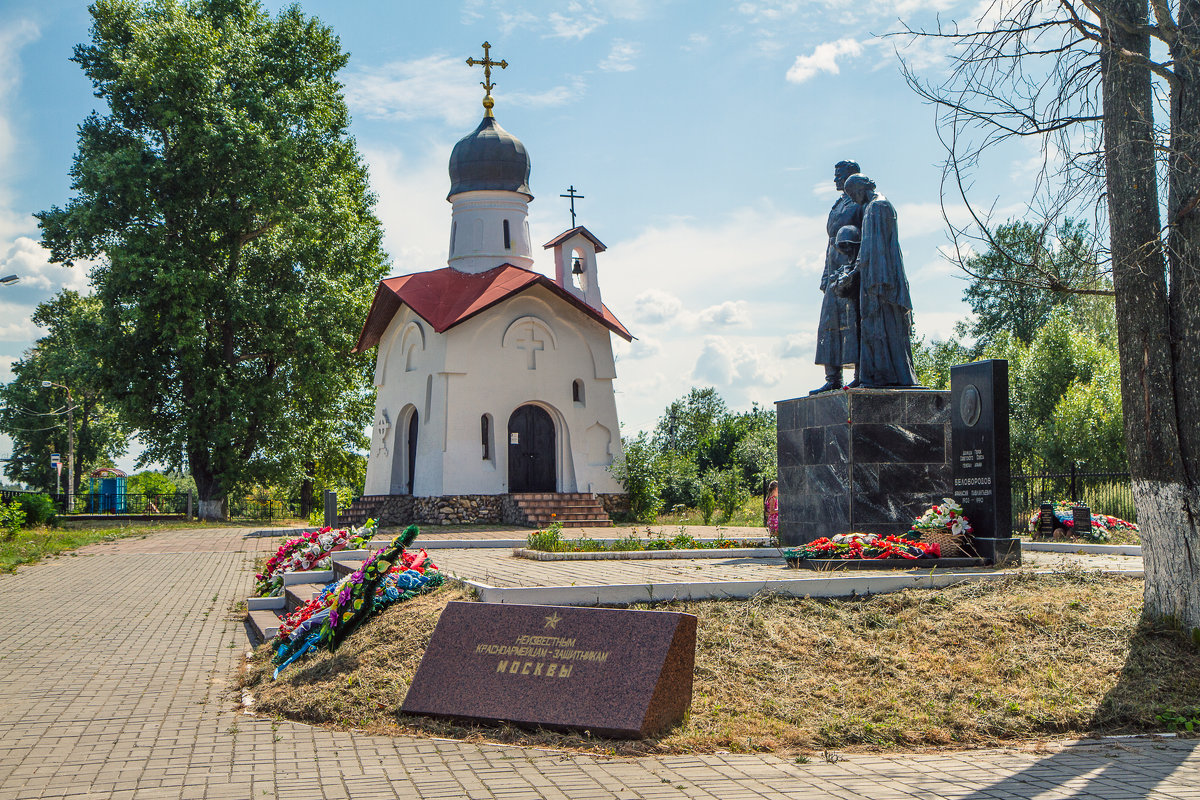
<point>866,314</point>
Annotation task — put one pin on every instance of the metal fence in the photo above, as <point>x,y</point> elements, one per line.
<point>263,509</point>
<point>242,509</point>
<point>1103,492</point>
<point>59,500</point>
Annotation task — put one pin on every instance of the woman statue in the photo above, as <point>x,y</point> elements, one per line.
<point>884,305</point>
<point>837,340</point>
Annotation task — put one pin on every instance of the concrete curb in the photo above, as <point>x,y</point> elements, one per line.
<point>825,587</point>
<point>1070,547</point>
<point>625,555</point>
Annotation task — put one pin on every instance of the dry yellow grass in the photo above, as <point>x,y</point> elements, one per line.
<point>973,665</point>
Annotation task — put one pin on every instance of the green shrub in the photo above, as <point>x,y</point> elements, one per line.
<point>12,517</point>
<point>636,471</point>
<point>549,540</point>
<point>684,541</point>
<point>708,505</point>
<point>39,509</point>
<point>730,493</point>
<point>630,542</point>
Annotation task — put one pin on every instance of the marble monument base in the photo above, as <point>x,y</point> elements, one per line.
<point>865,460</point>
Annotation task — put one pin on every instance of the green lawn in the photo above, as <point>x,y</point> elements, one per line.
<point>33,544</point>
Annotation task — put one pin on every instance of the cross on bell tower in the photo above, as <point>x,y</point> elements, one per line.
<point>487,64</point>
<point>571,194</point>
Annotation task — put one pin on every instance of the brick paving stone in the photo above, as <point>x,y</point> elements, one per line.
<point>132,699</point>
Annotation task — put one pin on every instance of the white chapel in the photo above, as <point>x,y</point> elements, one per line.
<point>493,379</point>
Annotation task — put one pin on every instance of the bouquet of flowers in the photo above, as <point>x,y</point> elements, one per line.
<point>865,545</point>
<point>316,611</point>
<point>948,516</point>
<point>357,598</point>
<point>310,550</point>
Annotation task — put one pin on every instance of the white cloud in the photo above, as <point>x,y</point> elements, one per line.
<point>799,345</point>
<point>416,225</point>
<point>620,57</point>
<point>769,10</point>
<point>655,306</point>
<point>730,366</point>
<point>696,41</point>
<point>575,24</point>
<point>28,259</point>
<point>729,313</point>
<point>823,59</point>
<point>435,87</point>
<point>550,19</point>
<point>16,325</point>
<point>638,349</point>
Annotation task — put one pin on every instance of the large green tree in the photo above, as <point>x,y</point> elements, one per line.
<point>232,229</point>
<point>36,418</point>
<point>1025,274</point>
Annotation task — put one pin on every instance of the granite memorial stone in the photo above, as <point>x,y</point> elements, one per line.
<point>1081,517</point>
<point>612,672</point>
<point>866,460</point>
<point>980,462</point>
<point>1047,522</point>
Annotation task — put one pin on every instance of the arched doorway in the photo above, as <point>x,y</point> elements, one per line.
<point>531,464</point>
<point>412,451</point>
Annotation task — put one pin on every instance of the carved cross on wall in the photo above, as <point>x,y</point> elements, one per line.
<point>532,345</point>
<point>382,426</point>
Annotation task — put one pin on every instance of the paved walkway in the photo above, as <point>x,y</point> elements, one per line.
<point>114,683</point>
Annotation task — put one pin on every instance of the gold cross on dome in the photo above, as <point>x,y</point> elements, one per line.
<point>487,64</point>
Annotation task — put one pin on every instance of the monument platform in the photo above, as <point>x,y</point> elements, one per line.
<point>865,460</point>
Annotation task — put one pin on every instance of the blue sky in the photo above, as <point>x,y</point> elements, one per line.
<point>702,134</point>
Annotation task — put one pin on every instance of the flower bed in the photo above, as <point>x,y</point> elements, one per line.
<point>311,550</point>
<point>1103,525</point>
<point>388,576</point>
<point>551,541</point>
<point>868,546</point>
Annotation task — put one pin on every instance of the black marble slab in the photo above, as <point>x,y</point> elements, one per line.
<point>867,460</point>
<point>979,422</point>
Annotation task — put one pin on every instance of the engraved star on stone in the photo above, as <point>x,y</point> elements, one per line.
<point>552,620</point>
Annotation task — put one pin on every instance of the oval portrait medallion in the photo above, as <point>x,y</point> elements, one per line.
<point>970,405</point>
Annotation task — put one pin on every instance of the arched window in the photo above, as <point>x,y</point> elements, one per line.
<point>428,396</point>
<point>507,237</point>
<point>453,235</point>
<point>485,436</point>
<point>577,392</point>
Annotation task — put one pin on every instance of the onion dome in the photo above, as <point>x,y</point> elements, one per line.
<point>489,159</point>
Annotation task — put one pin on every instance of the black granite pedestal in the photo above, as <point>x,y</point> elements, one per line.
<point>866,460</point>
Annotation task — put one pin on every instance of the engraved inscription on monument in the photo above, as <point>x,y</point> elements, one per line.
<point>979,438</point>
<point>612,672</point>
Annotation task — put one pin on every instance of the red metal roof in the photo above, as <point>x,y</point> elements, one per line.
<point>445,297</point>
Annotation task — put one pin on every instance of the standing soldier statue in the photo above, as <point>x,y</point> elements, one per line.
<point>837,330</point>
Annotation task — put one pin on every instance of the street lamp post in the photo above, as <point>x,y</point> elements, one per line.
<point>70,443</point>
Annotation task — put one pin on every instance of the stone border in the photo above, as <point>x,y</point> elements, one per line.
<point>1071,547</point>
<point>626,555</point>
<point>824,587</point>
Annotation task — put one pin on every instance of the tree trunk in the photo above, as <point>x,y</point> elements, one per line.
<point>1163,489</point>
<point>306,489</point>
<point>211,503</point>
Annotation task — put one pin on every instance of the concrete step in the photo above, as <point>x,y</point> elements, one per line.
<point>577,523</point>
<point>519,496</point>
<point>264,623</point>
<point>301,594</point>
<point>558,513</point>
<point>344,568</point>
